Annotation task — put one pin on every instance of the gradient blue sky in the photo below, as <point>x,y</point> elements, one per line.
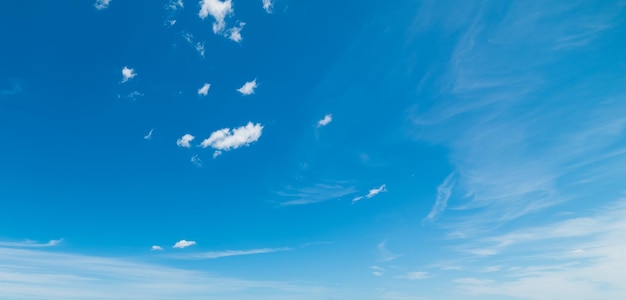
<point>312,149</point>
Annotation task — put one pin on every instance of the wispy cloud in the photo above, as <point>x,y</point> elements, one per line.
<point>314,193</point>
<point>156,248</point>
<point>217,9</point>
<point>204,90</point>
<point>444,190</point>
<point>128,74</point>
<point>185,140</point>
<point>199,46</point>
<point>325,121</point>
<point>37,274</point>
<point>386,255</point>
<point>183,244</point>
<point>228,253</point>
<point>102,4</point>
<point>227,139</point>
<point>371,194</point>
<point>149,135</point>
<point>268,5</point>
<point>248,88</point>
<point>377,271</point>
<point>415,275</point>
<point>30,244</point>
<point>234,33</point>
<point>14,89</point>
<point>195,159</point>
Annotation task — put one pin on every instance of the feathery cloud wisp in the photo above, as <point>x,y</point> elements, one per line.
<point>128,74</point>
<point>218,10</point>
<point>268,5</point>
<point>248,88</point>
<point>204,90</point>
<point>185,140</point>
<point>195,159</point>
<point>444,190</point>
<point>30,244</point>
<point>228,139</point>
<point>102,4</point>
<point>415,275</point>
<point>325,121</point>
<point>372,193</point>
<point>183,244</point>
<point>227,253</point>
<point>149,135</point>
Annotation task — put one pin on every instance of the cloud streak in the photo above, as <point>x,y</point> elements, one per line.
<point>371,194</point>
<point>229,253</point>
<point>444,191</point>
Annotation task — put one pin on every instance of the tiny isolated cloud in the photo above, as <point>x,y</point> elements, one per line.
<point>248,88</point>
<point>227,139</point>
<point>268,5</point>
<point>235,32</point>
<point>102,4</point>
<point>325,121</point>
<point>149,135</point>
<point>195,159</point>
<point>377,271</point>
<point>128,74</point>
<point>371,194</point>
<point>185,141</point>
<point>183,244</point>
<point>204,90</point>
<point>156,248</point>
<point>217,9</point>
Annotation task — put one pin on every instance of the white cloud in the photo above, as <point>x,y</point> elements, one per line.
<point>444,190</point>
<point>149,135</point>
<point>371,194</point>
<point>195,159</point>
<point>102,4</point>
<point>377,271</point>
<point>204,90</point>
<point>128,74</point>
<point>235,32</point>
<point>55,275</point>
<point>268,5</point>
<point>325,121</point>
<point>387,255</point>
<point>315,193</point>
<point>228,139</point>
<point>217,153</point>
<point>416,275</point>
<point>185,140</point>
<point>248,88</point>
<point>199,46</point>
<point>30,244</point>
<point>176,5</point>
<point>156,248</point>
<point>183,244</point>
<point>227,253</point>
<point>217,9</point>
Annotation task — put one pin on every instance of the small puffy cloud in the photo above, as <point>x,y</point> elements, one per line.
<point>217,153</point>
<point>248,88</point>
<point>156,248</point>
<point>176,5</point>
<point>235,32</point>
<point>325,121</point>
<point>128,74</point>
<point>217,9</point>
<point>268,5</point>
<point>372,193</point>
<point>204,90</point>
<point>227,139</point>
<point>185,140</point>
<point>102,4</point>
<point>183,244</point>
<point>196,161</point>
<point>149,135</point>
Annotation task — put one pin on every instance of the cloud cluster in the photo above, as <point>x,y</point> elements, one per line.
<point>217,9</point>
<point>227,139</point>
<point>268,5</point>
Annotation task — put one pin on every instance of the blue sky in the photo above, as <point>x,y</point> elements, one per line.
<point>312,149</point>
